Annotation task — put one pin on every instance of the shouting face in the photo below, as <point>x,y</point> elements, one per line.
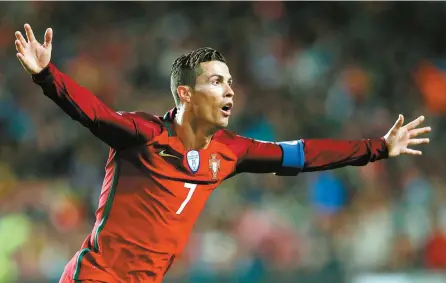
<point>211,99</point>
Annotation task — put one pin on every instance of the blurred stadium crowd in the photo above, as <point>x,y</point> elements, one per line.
<point>301,70</point>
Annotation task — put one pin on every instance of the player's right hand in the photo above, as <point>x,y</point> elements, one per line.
<point>33,55</point>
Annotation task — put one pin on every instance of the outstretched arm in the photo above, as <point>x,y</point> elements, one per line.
<point>330,154</point>
<point>116,129</point>
<point>307,155</point>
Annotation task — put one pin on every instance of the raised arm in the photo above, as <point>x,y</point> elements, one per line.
<point>307,155</point>
<point>118,130</point>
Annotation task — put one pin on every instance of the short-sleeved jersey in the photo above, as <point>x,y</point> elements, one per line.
<point>154,189</point>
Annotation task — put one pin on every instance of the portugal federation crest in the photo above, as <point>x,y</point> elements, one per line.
<point>214,166</point>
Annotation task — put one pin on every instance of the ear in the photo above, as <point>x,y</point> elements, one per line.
<point>184,93</point>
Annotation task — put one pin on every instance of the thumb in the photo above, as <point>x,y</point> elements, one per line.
<point>399,122</point>
<point>48,37</point>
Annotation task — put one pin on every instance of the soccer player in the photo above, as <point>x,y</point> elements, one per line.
<point>161,170</point>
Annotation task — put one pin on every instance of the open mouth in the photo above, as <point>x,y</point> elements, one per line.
<point>226,109</point>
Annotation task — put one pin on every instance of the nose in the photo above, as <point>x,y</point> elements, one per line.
<point>229,92</point>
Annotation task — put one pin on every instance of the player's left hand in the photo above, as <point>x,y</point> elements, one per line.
<point>400,137</point>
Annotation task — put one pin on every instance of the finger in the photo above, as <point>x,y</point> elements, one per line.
<point>19,47</point>
<point>418,141</point>
<point>21,58</point>
<point>416,132</point>
<point>48,37</point>
<point>29,33</point>
<point>415,123</point>
<point>399,122</point>
<point>20,37</point>
<point>411,151</point>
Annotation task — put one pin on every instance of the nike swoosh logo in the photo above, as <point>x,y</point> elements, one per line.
<point>163,154</point>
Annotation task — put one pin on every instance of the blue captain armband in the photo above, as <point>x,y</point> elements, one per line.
<point>293,154</point>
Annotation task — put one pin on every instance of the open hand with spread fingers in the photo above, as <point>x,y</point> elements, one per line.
<point>33,55</point>
<point>400,137</point>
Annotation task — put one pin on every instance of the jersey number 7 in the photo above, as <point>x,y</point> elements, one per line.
<point>191,188</point>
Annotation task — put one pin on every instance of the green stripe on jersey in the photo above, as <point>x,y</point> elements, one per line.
<point>77,270</point>
<point>108,203</point>
<point>166,124</point>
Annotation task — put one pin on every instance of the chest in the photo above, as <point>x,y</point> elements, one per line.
<point>168,159</point>
<point>172,181</point>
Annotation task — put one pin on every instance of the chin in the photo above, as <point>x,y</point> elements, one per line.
<point>222,124</point>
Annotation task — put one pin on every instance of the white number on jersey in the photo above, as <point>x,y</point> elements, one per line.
<point>191,188</point>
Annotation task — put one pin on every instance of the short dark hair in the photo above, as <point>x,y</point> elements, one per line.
<point>184,68</point>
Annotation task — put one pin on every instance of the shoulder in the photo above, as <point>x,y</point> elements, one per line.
<point>145,122</point>
<point>239,145</point>
<point>227,137</point>
<point>242,146</point>
<point>142,116</point>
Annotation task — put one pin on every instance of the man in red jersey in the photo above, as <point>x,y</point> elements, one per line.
<point>161,170</point>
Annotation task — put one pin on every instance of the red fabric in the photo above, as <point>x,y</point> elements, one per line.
<point>435,252</point>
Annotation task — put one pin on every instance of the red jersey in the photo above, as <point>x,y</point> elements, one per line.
<point>154,189</point>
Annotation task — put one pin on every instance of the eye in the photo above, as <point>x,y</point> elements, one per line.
<point>215,82</point>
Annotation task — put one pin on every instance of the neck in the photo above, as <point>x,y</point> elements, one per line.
<point>192,133</point>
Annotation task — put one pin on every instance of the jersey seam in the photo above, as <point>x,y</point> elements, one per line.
<point>108,203</point>
<point>77,269</point>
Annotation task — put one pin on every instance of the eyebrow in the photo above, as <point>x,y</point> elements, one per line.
<point>219,76</point>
